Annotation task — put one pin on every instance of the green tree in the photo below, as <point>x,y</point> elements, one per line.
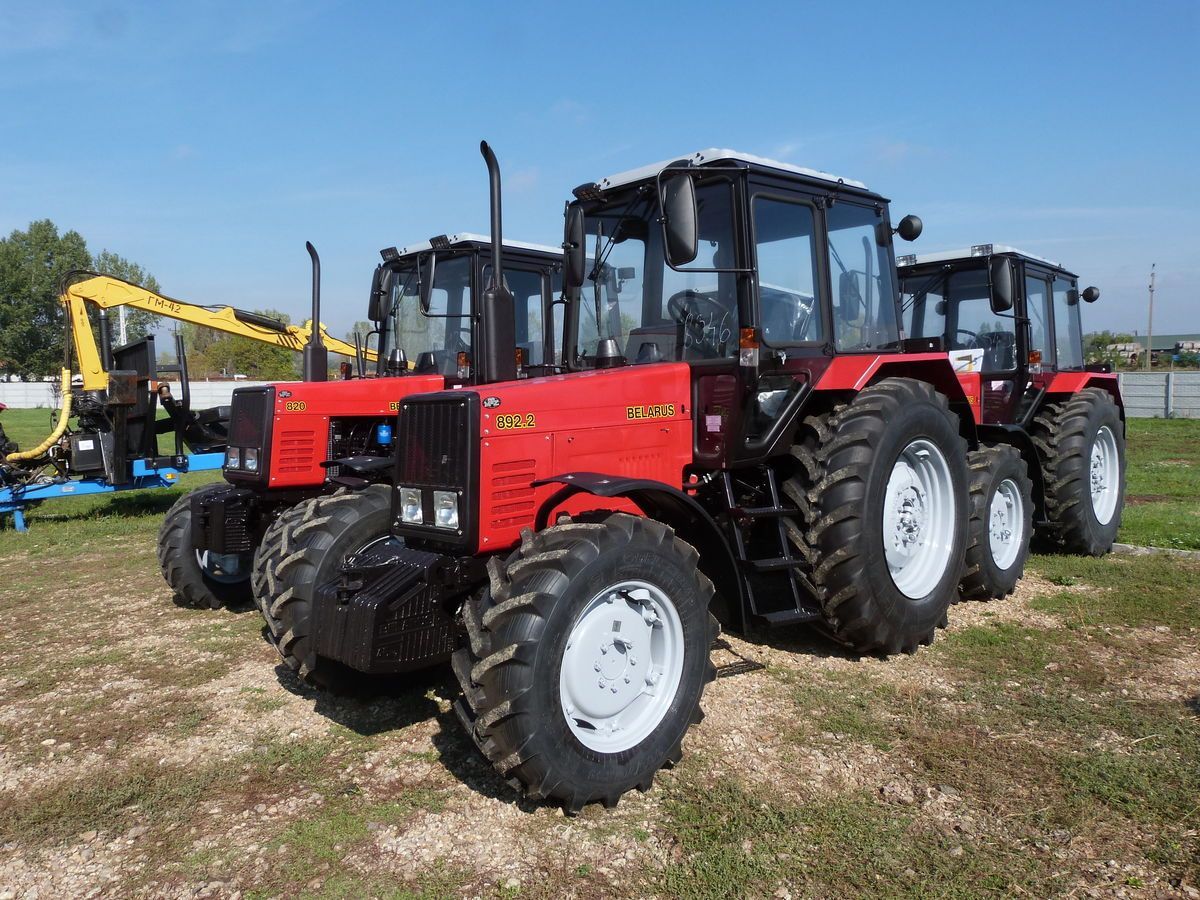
<point>138,322</point>
<point>213,353</point>
<point>32,263</point>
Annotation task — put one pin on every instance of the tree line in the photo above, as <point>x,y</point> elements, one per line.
<point>33,264</point>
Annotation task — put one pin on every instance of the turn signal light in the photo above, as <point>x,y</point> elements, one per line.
<point>1035,357</point>
<point>464,364</point>
<point>747,347</point>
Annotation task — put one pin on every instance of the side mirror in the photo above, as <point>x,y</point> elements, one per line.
<point>573,249</point>
<point>850,300</point>
<point>378,292</point>
<point>1091,294</point>
<point>910,228</point>
<point>681,231</point>
<point>426,267</point>
<point>1000,273</point>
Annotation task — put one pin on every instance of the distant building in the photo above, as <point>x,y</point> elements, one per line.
<point>1170,343</point>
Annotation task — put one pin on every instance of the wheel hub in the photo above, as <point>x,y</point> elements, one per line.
<point>1104,475</point>
<point>1006,523</point>
<point>622,663</point>
<point>919,510</point>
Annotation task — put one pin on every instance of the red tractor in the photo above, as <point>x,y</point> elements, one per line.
<point>741,435</point>
<point>1052,432</point>
<point>292,442</point>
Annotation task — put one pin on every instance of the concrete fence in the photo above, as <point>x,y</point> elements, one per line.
<point>34,395</point>
<point>1147,394</point>
<point>1161,394</point>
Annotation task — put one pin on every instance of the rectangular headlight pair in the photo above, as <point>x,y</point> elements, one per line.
<point>239,458</point>
<point>445,508</point>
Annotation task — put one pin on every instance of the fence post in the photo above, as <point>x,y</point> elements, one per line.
<point>1170,399</point>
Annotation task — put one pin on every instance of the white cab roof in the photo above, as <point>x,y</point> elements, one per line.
<point>705,156</point>
<point>969,253</point>
<point>466,237</point>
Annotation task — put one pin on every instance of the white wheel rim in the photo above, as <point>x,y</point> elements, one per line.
<point>919,514</point>
<point>1006,523</point>
<point>223,568</point>
<point>622,666</point>
<point>1105,475</point>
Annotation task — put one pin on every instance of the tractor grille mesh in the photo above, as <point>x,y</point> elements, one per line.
<point>249,416</point>
<point>432,442</point>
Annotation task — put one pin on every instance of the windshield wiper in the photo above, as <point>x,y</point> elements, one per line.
<point>925,289</point>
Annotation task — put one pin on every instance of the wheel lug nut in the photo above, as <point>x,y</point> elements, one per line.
<point>603,649</point>
<point>614,688</point>
<point>627,679</point>
<point>596,667</point>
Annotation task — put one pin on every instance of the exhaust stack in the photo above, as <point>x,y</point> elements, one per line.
<point>496,356</point>
<point>316,356</point>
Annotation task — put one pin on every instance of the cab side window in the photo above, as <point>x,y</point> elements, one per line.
<point>1068,339</point>
<point>787,261</point>
<point>1037,302</point>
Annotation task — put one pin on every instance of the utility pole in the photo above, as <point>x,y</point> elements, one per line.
<point>1150,323</point>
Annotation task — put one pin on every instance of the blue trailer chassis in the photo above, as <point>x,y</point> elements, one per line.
<point>15,499</point>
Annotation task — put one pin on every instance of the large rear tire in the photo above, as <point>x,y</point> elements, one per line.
<point>588,655</point>
<point>1001,523</point>
<point>1081,445</point>
<point>881,492</point>
<point>314,538</point>
<point>199,579</point>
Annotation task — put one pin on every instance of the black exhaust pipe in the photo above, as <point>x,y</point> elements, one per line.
<point>316,356</point>
<point>497,358</point>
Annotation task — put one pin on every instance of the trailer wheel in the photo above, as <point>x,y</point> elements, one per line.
<point>881,493</point>
<point>588,655</point>
<point>1081,445</point>
<point>200,580</point>
<point>314,538</point>
<point>1001,523</point>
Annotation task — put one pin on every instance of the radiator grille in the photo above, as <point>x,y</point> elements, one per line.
<point>249,415</point>
<point>433,442</point>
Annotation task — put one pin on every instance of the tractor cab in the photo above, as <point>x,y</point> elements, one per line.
<point>1009,315</point>
<point>422,304</point>
<point>755,273</point>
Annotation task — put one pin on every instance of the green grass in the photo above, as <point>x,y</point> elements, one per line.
<point>1162,492</point>
<point>1122,590</point>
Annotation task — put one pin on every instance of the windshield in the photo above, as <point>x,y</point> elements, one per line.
<point>653,312</point>
<point>431,341</point>
<point>956,307</point>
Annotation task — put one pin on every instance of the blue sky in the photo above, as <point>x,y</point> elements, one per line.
<point>209,140</point>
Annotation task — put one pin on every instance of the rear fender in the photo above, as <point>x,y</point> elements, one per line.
<point>852,373</point>
<point>1067,383</point>
<point>673,507</point>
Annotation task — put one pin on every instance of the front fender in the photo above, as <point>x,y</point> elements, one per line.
<point>672,507</point>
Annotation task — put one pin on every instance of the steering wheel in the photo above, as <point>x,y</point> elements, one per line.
<point>702,318</point>
<point>974,338</point>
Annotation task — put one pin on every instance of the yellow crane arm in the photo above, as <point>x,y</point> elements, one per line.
<point>107,293</point>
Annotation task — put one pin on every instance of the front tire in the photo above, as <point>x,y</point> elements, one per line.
<point>199,579</point>
<point>588,655</point>
<point>1081,445</point>
<point>314,538</point>
<point>1001,523</point>
<point>881,490</point>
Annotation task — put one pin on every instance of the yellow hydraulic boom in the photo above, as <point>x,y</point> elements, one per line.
<point>106,292</point>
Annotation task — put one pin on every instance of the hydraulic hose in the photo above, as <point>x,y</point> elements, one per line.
<point>63,418</point>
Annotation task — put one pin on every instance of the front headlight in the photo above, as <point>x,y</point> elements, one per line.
<point>233,458</point>
<point>250,459</point>
<point>445,509</point>
<point>410,506</point>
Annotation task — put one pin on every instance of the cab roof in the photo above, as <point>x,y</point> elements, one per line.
<point>977,251</point>
<point>700,157</point>
<point>466,238</point>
